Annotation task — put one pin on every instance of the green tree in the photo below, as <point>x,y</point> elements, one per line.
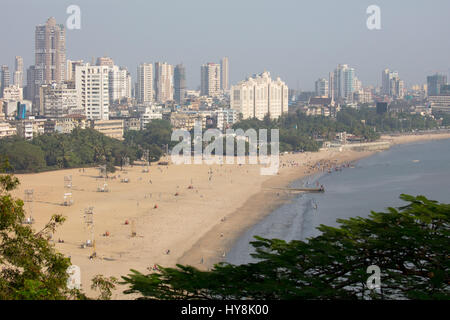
<point>409,244</point>
<point>31,268</point>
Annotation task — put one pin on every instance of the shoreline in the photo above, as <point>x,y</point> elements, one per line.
<point>197,224</point>
<point>210,249</point>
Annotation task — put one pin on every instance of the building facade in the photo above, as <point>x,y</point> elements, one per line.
<point>210,83</point>
<point>50,55</point>
<point>163,82</point>
<point>119,84</point>
<point>5,78</point>
<point>343,83</point>
<point>226,118</point>
<point>321,87</point>
<point>144,84</point>
<point>18,72</point>
<point>92,86</point>
<point>110,128</point>
<point>58,100</point>
<point>179,79</point>
<point>260,96</point>
<point>434,84</point>
<point>224,70</point>
<point>391,85</point>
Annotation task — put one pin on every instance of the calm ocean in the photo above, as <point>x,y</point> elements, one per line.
<point>375,183</point>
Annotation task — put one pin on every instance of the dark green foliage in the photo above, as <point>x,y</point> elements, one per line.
<point>445,118</point>
<point>299,132</point>
<point>82,147</point>
<point>22,155</point>
<point>410,245</point>
<point>386,122</point>
<point>156,135</point>
<point>31,268</point>
<point>291,138</point>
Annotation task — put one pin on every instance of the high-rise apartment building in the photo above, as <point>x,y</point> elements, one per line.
<point>18,72</point>
<point>163,82</point>
<point>119,83</point>
<point>259,96</point>
<point>30,90</point>
<point>210,79</point>
<point>391,85</point>
<point>5,78</point>
<point>50,55</point>
<point>385,82</point>
<point>92,85</point>
<point>343,84</point>
<point>58,100</point>
<point>435,82</point>
<point>331,88</point>
<point>224,80</point>
<point>322,87</point>
<point>179,79</point>
<point>144,85</point>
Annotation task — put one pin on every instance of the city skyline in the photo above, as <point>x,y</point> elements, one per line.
<point>296,56</point>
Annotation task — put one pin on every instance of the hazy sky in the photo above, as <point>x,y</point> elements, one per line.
<point>299,41</point>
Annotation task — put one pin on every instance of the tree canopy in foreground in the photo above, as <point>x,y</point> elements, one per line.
<point>410,245</point>
<point>30,267</point>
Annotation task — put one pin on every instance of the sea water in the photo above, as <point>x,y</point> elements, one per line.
<point>374,183</point>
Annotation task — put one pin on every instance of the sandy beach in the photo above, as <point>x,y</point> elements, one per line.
<point>189,214</point>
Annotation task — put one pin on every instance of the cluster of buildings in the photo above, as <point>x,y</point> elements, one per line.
<point>59,94</point>
<point>342,87</point>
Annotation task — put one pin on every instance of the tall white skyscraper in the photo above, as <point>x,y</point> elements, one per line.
<point>224,80</point>
<point>5,78</point>
<point>259,96</point>
<point>343,84</point>
<point>18,72</point>
<point>391,85</point>
<point>92,85</point>
<point>163,82</point>
<point>385,82</point>
<point>144,85</point>
<point>210,79</point>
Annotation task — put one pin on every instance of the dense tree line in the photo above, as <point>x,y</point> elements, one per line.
<point>155,136</point>
<point>80,148</point>
<point>84,148</point>
<point>299,132</point>
<point>386,122</point>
